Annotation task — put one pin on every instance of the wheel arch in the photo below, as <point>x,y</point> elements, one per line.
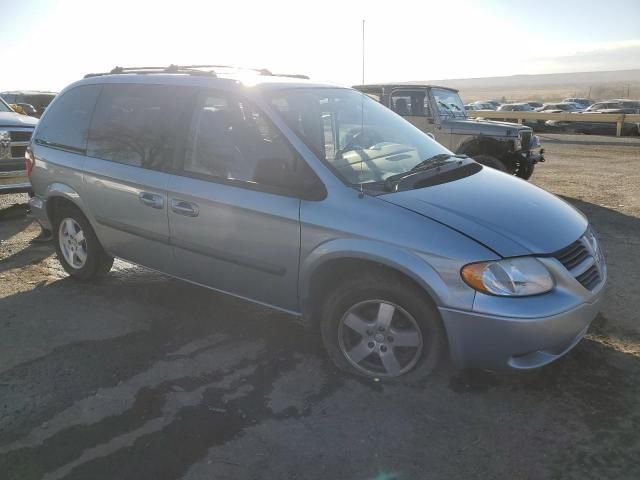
<point>483,145</point>
<point>59,194</point>
<point>331,261</point>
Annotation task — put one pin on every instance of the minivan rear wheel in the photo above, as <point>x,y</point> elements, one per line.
<point>382,326</point>
<point>77,246</point>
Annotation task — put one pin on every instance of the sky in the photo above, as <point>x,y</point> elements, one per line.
<point>47,44</point>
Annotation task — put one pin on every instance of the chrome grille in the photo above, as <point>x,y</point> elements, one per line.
<point>584,260</point>
<point>14,147</point>
<point>573,255</point>
<point>19,151</point>
<point>20,136</point>
<point>590,278</point>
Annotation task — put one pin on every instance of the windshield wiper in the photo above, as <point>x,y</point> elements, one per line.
<point>429,164</point>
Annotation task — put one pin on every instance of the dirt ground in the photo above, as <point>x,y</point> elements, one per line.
<point>144,377</point>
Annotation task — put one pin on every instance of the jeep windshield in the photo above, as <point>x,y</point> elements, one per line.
<point>361,140</point>
<point>449,103</point>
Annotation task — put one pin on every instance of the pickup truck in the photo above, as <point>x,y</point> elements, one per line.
<point>15,133</point>
<point>439,111</point>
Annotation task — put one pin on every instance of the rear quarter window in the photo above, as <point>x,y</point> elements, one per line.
<point>66,124</point>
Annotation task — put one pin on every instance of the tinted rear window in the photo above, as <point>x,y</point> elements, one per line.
<point>66,124</point>
<point>141,125</point>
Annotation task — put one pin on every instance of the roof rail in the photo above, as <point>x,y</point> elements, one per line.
<point>190,69</point>
<point>208,70</point>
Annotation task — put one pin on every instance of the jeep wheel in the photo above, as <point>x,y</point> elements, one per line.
<point>525,170</point>
<point>77,246</point>
<point>381,326</point>
<point>490,161</point>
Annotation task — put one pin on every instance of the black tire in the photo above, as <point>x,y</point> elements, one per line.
<point>387,287</point>
<point>98,262</point>
<point>525,170</point>
<point>490,161</point>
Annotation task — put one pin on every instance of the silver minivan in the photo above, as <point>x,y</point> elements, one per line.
<point>315,200</point>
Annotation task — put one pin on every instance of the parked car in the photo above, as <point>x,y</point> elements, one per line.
<point>439,111</point>
<point>559,108</point>
<point>601,106</point>
<point>37,99</point>
<point>519,107</point>
<point>485,106</point>
<point>15,133</point>
<point>615,106</point>
<point>515,107</point>
<point>602,128</point>
<point>494,103</point>
<point>535,105</point>
<point>581,102</point>
<point>318,201</point>
<point>633,105</point>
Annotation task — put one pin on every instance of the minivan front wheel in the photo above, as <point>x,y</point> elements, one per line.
<point>382,326</point>
<point>77,246</point>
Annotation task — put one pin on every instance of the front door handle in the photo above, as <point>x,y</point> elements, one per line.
<point>151,200</point>
<point>182,207</point>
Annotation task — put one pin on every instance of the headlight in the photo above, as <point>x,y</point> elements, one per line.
<point>517,144</point>
<point>514,277</point>
<point>535,142</point>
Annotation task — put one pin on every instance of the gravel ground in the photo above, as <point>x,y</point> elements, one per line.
<point>144,377</point>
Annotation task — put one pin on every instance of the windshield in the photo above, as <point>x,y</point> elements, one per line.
<point>363,141</point>
<point>448,102</point>
<point>4,107</point>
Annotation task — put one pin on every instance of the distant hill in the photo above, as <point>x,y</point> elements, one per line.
<point>548,87</point>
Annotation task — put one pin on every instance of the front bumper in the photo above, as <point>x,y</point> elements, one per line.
<point>533,156</point>
<point>478,340</point>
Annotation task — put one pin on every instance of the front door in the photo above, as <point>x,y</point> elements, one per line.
<point>233,228</point>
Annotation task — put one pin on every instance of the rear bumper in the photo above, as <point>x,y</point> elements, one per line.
<point>479,340</point>
<point>14,182</point>
<point>38,209</point>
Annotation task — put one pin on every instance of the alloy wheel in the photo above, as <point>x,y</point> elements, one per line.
<point>73,243</point>
<point>380,338</point>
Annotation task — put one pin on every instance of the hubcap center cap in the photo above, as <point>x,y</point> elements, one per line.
<point>379,337</point>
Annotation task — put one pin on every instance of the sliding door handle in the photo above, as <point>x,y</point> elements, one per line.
<point>182,207</point>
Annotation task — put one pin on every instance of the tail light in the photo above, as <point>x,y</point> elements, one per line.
<point>29,161</point>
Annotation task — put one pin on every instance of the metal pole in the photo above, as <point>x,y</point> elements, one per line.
<point>363,51</point>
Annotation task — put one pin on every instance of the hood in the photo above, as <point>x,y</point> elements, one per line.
<point>485,127</point>
<point>506,214</point>
<point>12,119</point>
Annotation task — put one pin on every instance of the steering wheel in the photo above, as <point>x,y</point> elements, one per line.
<point>360,138</point>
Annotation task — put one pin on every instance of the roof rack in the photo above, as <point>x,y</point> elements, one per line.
<point>207,70</point>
